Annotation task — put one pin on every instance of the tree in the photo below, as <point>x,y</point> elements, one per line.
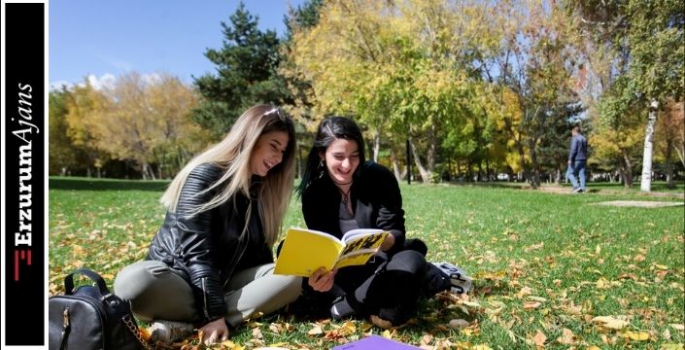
<point>246,74</point>
<point>636,51</point>
<point>64,157</point>
<point>83,103</point>
<point>671,131</point>
<point>139,120</point>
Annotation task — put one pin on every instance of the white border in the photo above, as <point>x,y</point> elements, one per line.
<point>44,129</point>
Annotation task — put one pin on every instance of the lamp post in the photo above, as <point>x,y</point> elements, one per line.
<point>646,182</point>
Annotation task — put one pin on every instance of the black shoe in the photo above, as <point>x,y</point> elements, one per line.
<point>341,309</point>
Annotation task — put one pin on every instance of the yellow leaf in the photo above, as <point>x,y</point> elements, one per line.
<point>594,348</point>
<point>481,347</point>
<point>229,344</point>
<point>471,304</point>
<point>672,346</point>
<point>640,336</point>
<point>315,331</point>
<point>610,322</point>
<point>386,334</point>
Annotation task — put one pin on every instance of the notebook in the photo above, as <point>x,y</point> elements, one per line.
<point>375,342</point>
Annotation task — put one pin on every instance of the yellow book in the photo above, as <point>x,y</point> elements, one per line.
<point>305,250</point>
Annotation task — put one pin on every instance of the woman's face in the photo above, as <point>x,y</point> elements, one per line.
<point>268,152</point>
<point>342,159</point>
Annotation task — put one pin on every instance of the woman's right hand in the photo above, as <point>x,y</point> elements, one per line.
<point>322,280</point>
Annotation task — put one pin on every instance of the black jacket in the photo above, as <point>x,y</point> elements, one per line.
<point>206,248</point>
<point>376,200</point>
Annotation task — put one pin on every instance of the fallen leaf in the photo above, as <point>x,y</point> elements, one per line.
<point>315,331</point>
<point>640,336</point>
<point>677,326</point>
<point>539,338</point>
<point>610,322</point>
<point>481,347</point>
<point>459,323</point>
<point>531,305</point>
<point>257,333</point>
<point>567,337</point>
<point>672,346</point>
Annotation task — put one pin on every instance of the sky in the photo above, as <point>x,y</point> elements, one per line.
<point>101,40</point>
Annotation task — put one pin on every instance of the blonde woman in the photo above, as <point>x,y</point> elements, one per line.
<point>210,264</point>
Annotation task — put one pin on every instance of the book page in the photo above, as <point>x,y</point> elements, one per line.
<point>304,251</point>
<point>359,257</point>
<point>352,234</point>
<point>362,240</point>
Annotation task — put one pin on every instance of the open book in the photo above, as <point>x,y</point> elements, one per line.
<point>304,250</point>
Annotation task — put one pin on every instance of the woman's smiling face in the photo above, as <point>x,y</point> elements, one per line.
<point>342,159</point>
<point>268,152</point>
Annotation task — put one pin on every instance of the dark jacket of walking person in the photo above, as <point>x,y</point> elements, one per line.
<point>577,160</point>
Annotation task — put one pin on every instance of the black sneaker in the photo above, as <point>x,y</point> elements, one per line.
<point>341,309</point>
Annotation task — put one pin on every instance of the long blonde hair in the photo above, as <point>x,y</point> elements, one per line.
<point>233,154</point>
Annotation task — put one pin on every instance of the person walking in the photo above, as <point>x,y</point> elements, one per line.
<point>577,161</point>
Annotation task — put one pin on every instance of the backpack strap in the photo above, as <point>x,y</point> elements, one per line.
<point>69,281</point>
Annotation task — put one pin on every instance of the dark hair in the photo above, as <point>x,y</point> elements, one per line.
<point>576,129</point>
<point>329,130</point>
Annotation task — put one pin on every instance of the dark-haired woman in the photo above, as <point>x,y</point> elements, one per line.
<point>340,191</point>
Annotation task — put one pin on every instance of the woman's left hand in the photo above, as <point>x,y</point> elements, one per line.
<point>322,280</point>
<point>388,243</point>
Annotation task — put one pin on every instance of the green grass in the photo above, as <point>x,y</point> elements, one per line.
<point>541,262</point>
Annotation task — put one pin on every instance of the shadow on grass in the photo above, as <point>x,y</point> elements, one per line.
<point>90,184</point>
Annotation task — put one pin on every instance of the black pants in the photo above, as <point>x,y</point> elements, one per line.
<point>388,287</point>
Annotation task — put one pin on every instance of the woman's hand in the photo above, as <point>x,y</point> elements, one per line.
<point>322,280</point>
<point>388,243</point>
<point>215,331</point>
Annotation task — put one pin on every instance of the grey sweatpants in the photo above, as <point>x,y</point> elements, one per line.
<point>156,292</point>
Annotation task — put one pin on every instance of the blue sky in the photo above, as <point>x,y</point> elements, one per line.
<point>104,39</point>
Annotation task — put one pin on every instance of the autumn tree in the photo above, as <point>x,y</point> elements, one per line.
<point>144,121</point>
<point>64,156</point>
<point>85,102</point>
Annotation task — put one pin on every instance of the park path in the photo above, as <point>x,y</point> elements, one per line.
<point>567,190</point>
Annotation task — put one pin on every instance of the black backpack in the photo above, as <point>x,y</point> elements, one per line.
<point>90,318</point>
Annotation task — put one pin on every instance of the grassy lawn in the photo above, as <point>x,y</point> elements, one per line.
<point>548,268</point>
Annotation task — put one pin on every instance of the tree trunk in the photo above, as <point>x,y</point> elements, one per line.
<point>669,165</point>
<point>425,175</point>
<point>646,183</point>
<point>432,148</point>
<point>395,164</point>
<point>626,170</point>
<point>535,179</point>
<point>376,145</point>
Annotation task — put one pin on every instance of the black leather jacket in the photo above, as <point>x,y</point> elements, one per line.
<point>376,199</point>
<point>206,249</point>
